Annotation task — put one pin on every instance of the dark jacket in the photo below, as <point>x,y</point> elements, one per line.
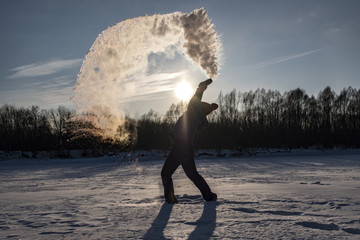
<point>191,121</point>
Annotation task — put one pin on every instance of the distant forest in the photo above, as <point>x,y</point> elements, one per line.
<point>254,119</point>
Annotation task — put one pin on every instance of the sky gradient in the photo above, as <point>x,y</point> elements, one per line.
<point>279,45</point>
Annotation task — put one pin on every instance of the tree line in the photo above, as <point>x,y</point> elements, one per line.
<point>253,119</point>
<point>291,120</point>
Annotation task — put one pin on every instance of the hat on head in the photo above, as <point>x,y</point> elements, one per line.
<point>208,108</point>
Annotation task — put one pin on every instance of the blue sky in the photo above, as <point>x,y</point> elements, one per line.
<point>278,45</point>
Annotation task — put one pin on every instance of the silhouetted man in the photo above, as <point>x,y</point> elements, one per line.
<point>182,151</point>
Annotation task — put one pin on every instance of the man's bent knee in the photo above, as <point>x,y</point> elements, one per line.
<point>193,175</point>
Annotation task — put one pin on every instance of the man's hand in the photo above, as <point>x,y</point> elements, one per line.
<point>203,85</point>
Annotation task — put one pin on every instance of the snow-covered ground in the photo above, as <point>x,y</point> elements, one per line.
<point>302,195</point>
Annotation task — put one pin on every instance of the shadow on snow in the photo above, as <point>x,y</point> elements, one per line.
<point>204,229</point>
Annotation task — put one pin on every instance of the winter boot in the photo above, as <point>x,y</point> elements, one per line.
<point>213,198</point>
<point>170,198</point>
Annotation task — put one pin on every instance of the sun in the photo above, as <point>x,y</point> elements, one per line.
<point>184,91</point>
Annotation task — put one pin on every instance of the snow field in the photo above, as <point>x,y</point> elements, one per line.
<point>300,196</point>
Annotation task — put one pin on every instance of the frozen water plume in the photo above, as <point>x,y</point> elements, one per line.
<point>123,65</point>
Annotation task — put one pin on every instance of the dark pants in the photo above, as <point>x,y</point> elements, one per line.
<point>183,154</point>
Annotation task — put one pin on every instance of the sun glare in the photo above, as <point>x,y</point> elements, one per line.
<point>184,91</point>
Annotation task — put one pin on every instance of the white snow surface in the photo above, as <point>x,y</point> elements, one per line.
<point>295,195</point>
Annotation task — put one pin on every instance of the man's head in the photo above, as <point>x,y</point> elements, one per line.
<point>208,108</point>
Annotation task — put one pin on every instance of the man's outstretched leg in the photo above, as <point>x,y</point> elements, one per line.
<point>191,172</point>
